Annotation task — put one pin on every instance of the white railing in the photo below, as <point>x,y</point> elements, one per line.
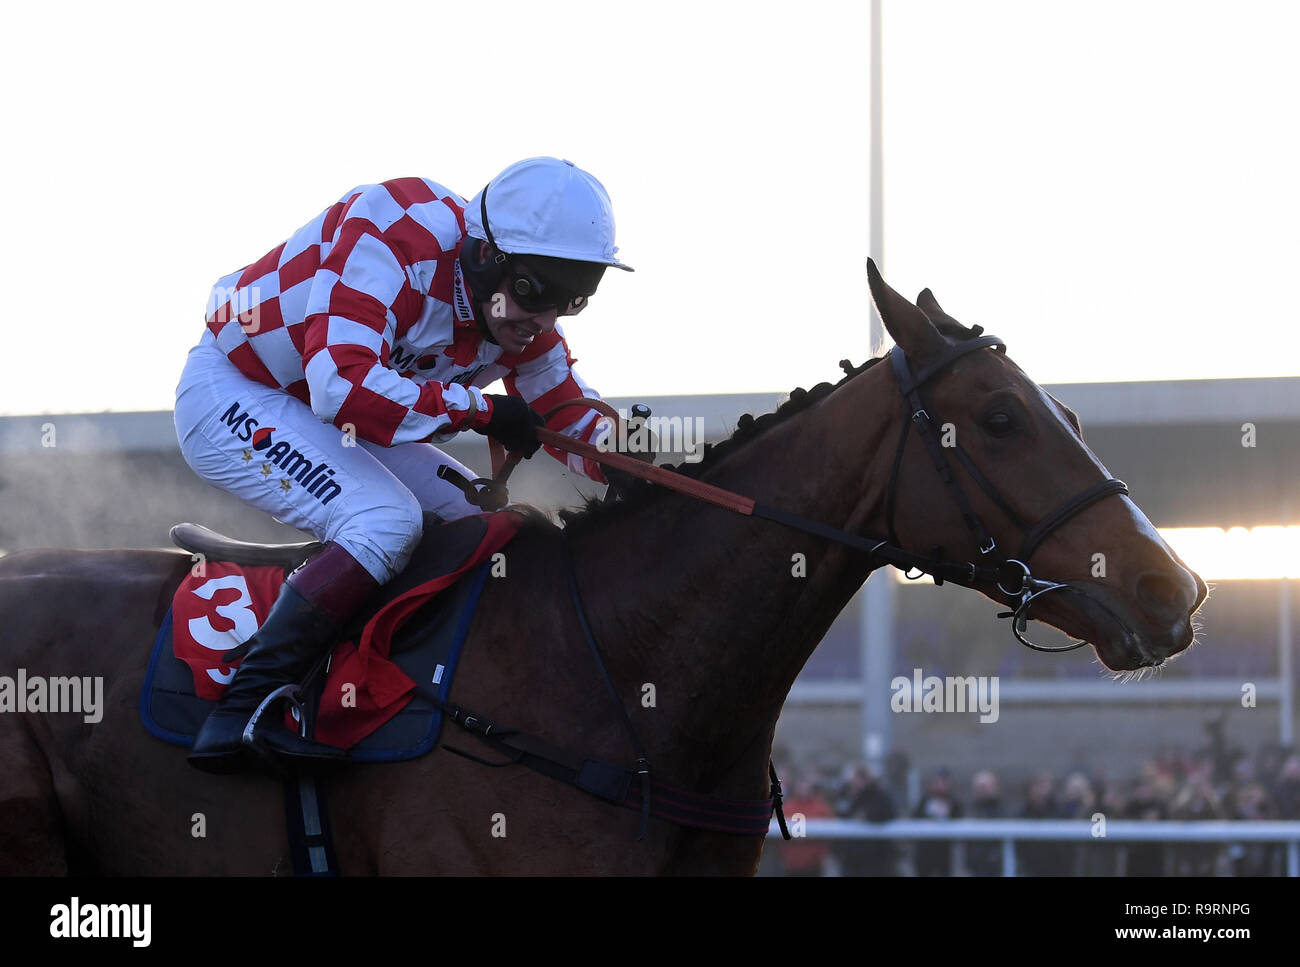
<point>1011,831</point>
<point>1067,691</point>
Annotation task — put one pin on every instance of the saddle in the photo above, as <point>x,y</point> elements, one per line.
<point>378,694</point>
<point>198,539</point>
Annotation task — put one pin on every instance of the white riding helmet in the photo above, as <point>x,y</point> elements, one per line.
<point>548,207</point>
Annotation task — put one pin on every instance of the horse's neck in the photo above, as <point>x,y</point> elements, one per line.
<point>718,611</point>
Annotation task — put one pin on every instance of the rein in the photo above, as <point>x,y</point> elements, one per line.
<point>1010,575</point>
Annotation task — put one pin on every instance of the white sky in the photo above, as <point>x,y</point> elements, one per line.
<point>1110,186</point>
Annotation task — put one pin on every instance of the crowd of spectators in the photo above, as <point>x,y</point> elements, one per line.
<point>1213,783</point>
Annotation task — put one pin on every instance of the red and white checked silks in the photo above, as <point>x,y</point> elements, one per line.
<point>361,319</point>
<point>362,314</point>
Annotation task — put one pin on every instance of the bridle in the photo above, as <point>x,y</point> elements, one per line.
<point>1011,575</point>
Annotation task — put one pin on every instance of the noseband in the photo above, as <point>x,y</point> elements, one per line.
<point>1011,575</point>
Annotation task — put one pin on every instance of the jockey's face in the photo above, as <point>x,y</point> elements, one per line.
<point>512,326</point>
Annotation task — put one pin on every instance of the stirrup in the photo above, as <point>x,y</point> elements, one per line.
<point>270,751</point>
<point>294,696</point>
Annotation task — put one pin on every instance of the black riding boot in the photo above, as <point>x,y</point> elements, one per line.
<point>295,634</point>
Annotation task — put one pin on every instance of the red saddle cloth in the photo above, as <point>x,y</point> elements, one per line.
<point>217,610</point>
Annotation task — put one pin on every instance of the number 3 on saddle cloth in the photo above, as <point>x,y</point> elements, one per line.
<point>372,696</point>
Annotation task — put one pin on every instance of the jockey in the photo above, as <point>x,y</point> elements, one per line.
<point>332,366</point>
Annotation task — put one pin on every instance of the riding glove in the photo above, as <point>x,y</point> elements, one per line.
<point>514,423</point>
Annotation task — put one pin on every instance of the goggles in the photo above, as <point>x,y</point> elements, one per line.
<point>535,293</point>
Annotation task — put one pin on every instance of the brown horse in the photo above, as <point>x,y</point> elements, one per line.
<point>702,604</point>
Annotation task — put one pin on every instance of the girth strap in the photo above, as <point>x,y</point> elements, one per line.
<point>642,760</point>
<point>614,784</point>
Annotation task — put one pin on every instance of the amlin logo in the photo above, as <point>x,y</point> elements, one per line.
<point>315,478</point>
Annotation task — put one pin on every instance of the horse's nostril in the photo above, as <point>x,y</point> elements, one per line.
<point>1158,591</point>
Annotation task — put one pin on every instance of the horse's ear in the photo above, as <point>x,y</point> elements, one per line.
<point>913,332</point>
<point>928,304</point>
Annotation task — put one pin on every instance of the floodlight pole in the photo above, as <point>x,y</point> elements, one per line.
<point>876,615</point>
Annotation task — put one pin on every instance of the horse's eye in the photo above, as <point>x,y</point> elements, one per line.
<point>999,423</point>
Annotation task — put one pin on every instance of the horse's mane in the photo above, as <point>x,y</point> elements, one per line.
<point>616,504</point>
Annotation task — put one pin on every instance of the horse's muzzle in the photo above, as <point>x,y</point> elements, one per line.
<point>1142,629</point>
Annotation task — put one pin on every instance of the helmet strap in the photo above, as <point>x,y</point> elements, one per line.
<point>482,275</point>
